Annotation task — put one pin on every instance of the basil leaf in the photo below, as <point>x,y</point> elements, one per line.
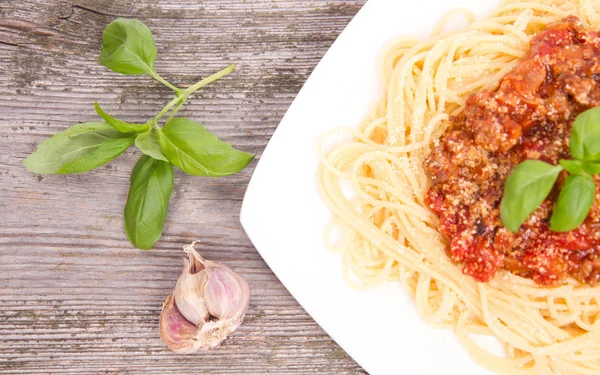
<point>591,167</point>
<point>120,126</point>
<point>572,166</point>
<point>196,151</point>
<point>128,47</point>
<point>585,136</point>
<point>80,148</point>
<point>525,189</point>
<point>148,143</point>
<point>151,185</point>
<point>574,203</point>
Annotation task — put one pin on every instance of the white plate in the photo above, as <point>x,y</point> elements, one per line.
<point>284,215</point>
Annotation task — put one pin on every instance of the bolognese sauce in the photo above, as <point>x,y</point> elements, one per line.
<point>529,116</point>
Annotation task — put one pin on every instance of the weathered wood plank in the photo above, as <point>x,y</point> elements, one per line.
<point>75,298</point>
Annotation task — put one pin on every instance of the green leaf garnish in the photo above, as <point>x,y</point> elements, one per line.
<point>148,201</point>
<point>585,136</point>
<point>118,125</point>
<point>128,47</point>
<point>526,188</point>
<point>591,167</point>
<point>572,166</point>
<point>196,151</point>
<point>148,144</point>
<point>574,202</point>
<point>80,148</point>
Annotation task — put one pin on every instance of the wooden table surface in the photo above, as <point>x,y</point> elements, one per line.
<point>75,297</point>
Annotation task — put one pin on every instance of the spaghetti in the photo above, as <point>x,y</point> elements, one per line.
<point>389,234</point>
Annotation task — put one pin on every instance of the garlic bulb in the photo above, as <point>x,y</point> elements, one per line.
<point>208,303</point>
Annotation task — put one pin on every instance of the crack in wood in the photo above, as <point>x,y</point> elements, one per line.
<point>92,10</point>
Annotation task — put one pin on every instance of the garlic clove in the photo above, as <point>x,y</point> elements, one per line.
<point>188,290</point>
<point>226,294</point>
<point>208,303</point>
<point>175,330</point>
<point>183,337</point>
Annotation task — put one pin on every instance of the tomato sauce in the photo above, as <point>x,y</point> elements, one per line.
<point>529,116</point>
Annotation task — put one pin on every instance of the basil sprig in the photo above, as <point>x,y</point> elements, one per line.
<point>148,144</point>
<point>128,47</point>
<point>119,125</point>
<point>148,201</point>
<point>574,202</point>
<point>178,139</point>
<point>80,148</point>
<point>525,189</point>
<point>532,180</point>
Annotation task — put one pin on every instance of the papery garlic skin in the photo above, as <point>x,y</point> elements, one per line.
<point>210,298</point>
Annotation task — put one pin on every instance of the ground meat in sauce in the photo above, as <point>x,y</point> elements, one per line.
<point>529,116</point>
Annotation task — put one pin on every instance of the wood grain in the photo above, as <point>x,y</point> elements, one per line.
<point>75,297</point>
